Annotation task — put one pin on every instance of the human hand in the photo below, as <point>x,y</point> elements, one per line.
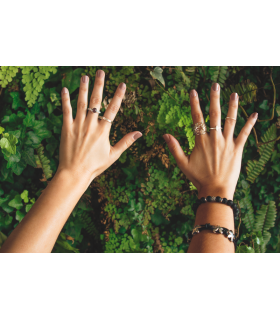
<point>215,162</point>
<point>85,150</point>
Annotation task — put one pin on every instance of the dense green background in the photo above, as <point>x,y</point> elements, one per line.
<point>143,203</point>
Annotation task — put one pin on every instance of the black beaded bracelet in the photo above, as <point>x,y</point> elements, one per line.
<point>215,229</point>
<point>229,203</point>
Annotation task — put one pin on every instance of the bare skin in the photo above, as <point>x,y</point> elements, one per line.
<point>213,167</point>
<point>85,152</point>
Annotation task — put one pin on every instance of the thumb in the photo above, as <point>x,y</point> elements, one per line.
<point>176,150</point>
<point>125,143</point>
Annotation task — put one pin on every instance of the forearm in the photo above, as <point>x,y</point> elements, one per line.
<point>40,228</point>
<point>215,214</point>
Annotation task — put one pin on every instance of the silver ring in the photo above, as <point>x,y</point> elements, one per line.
<point>94,110</point>
<point>103,118</point>
<point>216,128</point>
<point>231,118</point>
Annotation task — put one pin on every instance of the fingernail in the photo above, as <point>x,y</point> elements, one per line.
<point>64,90</point>
<point>255,115</point>
<point>234,96</point>
<point>137,135</point>
<point>215,87</point>
<point>166,138</point>
<point>122,86</point>
<point>193,93</point>
<point>100,73</point>
<point>85,79</point>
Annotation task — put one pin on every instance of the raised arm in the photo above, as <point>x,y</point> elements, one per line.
<point>85,152</point>
<point>213,167</point>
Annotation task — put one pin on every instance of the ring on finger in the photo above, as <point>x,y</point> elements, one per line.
<point>94,110</point>
<point>106,119</point>
<point>231,118</point>
<point>199,128</point>
<point>216,128</point>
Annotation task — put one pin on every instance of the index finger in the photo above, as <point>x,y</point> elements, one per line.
<point>115,104</point>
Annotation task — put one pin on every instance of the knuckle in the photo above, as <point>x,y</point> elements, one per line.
<point>119,94</point>
<point>83,89</point>
<point>196,116</point>
<point>114,108</point>
<point>214,113</point>
<point>82,105</point>
<point>230,121</point>
<point>95,100</point>
<point>66,111</point>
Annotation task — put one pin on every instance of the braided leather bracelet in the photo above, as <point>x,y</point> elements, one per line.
<point>215,229</point>
<point>229,203</point>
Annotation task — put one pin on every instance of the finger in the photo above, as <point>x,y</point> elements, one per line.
<point>124,144</point>
<point>114,105</point>
<point>177,151</point>
<point>245,131</point>
<point>196,112</point>
<point>215,110</point>
<point>232,113</point>
<point>66,108</point>
<point>96,96</point>
<point>82,100</point>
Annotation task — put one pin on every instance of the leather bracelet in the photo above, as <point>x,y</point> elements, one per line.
<point>229,203</point>
<point>215,229</point>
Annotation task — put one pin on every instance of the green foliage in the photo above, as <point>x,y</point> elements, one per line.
<point>142,203</point>
<point>6,75</point>
<point>33,79</point>
<point>43,162</point>
<point>265,220</point>
<point>175,111</point>
<point>255,167</point>
<point>218,74</point>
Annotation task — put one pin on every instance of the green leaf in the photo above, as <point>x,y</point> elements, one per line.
<point>19,216</point>
<point>13,159</point>
<point>16,202</point>
<point>1,130</point>
<point>32,139</point>
<point>29,120</point>
<point>17,102</point>
<point>157,74</point>
<point>278,110</point>
<point>18,167</point>
<point>2,238</point>
<point>24,196</point>
<point>28,157</point>
<point>8,220</point>
<point>28,207</point>
<point>72,79</point>
<point>264,105</point>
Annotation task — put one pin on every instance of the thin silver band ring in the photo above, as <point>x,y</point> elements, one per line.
<point>231,118</point>
<point>216,128</point>
<point>103,118</point>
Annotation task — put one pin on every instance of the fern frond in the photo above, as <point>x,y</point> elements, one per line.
<point>247,91</point>
<point>218,74</point>
<point>183,82</point>
<point>193,74</point>
<point>43,162</point>
<point>89,225</point>
<point>246,204</point>
<point>265,219</point>
<point>255,167</point>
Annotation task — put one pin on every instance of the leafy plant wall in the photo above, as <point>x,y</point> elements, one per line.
<point>143,203</point>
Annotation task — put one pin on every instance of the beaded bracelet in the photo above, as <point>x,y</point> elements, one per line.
<point>229,203</point>
<point>216,229</point>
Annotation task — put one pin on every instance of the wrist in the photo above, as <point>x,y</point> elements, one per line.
<point>215,191</point>
<point>73,178</point>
